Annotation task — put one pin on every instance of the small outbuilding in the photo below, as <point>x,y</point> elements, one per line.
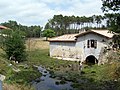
<point>85,46</point>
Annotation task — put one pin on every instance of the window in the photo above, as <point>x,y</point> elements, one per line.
<point>92,43</point>
<point>103,40</point>
<point>88,44</point>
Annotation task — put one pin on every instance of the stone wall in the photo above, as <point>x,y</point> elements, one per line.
<point>68,52</point>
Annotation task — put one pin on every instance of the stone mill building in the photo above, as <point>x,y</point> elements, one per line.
<point>85,46</point>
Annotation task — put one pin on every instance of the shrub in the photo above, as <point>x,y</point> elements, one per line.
<point>14,45</point>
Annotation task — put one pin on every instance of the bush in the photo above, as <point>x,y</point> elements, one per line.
<point>14,45</point>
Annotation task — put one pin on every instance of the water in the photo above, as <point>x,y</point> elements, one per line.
<point>48,83</point>
<point>0,85</point>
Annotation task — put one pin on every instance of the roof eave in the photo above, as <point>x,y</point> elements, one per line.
<point>62,40</point>
<point>92,32</point>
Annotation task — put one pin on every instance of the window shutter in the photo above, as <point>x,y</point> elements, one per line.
<point>88,43</point>
<point>95,44</point>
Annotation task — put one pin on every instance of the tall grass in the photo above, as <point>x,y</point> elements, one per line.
<point>15,87</point>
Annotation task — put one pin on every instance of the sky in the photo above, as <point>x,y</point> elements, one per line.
<point>38,12</point>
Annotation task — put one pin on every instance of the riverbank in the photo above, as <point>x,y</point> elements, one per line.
<point>103,77</point>
<point>17,75</point>
<point>91,78</point>
<point>21,75</point>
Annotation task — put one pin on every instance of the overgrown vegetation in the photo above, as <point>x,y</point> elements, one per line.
<point>13,43</point>
<point>103,77</point>
<point>4,68</point>
<point>23,77</point>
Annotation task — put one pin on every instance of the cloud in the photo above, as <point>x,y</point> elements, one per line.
<point>37,12</point>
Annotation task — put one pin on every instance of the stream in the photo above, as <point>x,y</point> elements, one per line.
<point>45,82</point>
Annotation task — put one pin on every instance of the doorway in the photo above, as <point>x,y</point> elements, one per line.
<point>91,60</point>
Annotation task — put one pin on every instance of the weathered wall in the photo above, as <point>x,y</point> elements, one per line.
<point>78,50</point>
<point>65,50</point>
<point>82,42</point>
<point>59,45</point>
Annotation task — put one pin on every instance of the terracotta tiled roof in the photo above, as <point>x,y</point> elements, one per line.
<point>3,27</point>
<point>105,33</point>
<point>73,37</point>
<point>66,37</point>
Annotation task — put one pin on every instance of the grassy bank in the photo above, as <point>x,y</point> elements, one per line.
<point>17,76</point>
<point>103,77</point>
<point>37,55</point>
<point>94,77</point>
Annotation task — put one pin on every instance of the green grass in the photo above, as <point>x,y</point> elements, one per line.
<point>26,75</point>
<point>4,64</point>
<point>17,79</point>
<point>99,77</point>
<point>95,71</point>
<point>91,78</point>
<point>41,57</point>
<point>23,77</point>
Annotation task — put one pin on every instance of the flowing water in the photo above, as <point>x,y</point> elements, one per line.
<point>47,83</point>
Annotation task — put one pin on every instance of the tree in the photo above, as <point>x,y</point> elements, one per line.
<point>31,31</point>
<point>113,5</point>
<point>48,33</point>
<point>13,43</point>
<point>113,22</point>
<point>11,24</point>
<point>98,20</point>
<point>34,31</point>
<point>73,24</point>
<point>47,26</point>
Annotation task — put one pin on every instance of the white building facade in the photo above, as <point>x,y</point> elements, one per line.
<point>79,47</point>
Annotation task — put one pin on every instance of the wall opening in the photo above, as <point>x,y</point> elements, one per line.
<point>91,60</point>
